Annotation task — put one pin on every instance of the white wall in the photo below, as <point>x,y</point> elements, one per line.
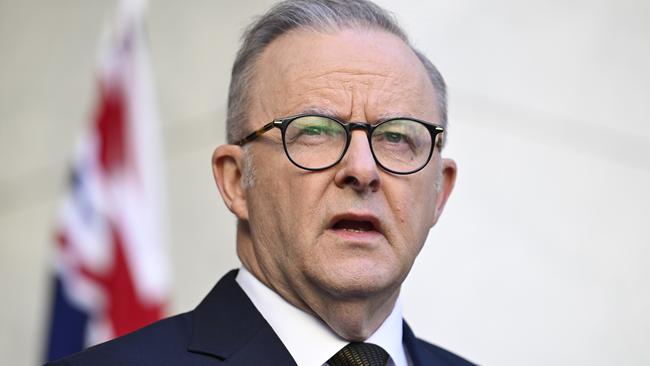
<point>543,255</point>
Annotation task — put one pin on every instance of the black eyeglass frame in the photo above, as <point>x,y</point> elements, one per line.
<point>282,123</point>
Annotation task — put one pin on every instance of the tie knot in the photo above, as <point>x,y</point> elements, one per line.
<point>359,354</point>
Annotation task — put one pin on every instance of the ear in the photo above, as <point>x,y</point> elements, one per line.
<point>447,182</point>
<point>227,171</point>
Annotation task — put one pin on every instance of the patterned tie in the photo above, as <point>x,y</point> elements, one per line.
<point>359,354</point>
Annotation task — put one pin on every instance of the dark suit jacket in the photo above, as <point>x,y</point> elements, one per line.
<point>225,329</point>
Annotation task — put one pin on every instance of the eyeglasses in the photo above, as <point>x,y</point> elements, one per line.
<point>317,142</point>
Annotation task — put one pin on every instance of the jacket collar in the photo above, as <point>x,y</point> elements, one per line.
<point>412,348</point>
<point>227,325</point>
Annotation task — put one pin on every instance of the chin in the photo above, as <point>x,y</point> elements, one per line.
<point>354,278</point>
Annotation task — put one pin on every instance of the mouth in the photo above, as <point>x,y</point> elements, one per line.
<point>356,225</point>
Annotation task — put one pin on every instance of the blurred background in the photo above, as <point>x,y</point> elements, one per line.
<point>543,254</point>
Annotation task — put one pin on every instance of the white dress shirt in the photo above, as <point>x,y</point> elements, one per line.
<point>308,339</point>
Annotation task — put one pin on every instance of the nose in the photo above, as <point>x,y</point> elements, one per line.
<point>358,169</point>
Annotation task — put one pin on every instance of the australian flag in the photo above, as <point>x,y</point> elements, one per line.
<point>110,262</point>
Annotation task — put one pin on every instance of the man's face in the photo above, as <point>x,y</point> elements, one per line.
<point>352,230</point>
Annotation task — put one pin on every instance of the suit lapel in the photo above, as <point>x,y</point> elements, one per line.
<point>227,325</point>
<point>414,352</point>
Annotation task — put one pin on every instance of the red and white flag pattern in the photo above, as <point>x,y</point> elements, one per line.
<point>111,265</point>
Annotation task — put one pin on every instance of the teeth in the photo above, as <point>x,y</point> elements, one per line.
<point>353,230</point>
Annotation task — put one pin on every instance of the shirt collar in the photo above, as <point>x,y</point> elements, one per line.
<point>309,340</point>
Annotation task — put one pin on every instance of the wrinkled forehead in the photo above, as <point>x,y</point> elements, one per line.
<point>362,74</point>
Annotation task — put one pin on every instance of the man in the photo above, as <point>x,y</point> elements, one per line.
<point>333,169</point>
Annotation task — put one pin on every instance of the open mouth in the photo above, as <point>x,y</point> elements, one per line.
<point>355,226</point>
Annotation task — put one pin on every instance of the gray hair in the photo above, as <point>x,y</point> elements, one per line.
<point>319,15</point>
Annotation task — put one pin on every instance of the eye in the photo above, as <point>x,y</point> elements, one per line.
<point>399,136</point>
<point>394,137</point>
<point>313,130</point>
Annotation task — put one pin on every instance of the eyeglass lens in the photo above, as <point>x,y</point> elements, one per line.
<point>316,142</point>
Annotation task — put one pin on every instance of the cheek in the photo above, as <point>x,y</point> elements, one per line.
<point>413,208</point>
<point>305,200</point>
<point>293,200</point>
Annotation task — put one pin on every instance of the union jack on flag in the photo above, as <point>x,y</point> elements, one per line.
<point>111,274</point>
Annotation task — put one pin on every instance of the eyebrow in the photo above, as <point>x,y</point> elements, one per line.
<point>389,115</point>
<point>331,113</point>
<point>320,110</point>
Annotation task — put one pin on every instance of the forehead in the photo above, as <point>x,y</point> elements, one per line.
<point>358,74</point>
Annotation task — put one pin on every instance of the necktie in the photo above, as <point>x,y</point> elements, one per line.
<point>359,354</point>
